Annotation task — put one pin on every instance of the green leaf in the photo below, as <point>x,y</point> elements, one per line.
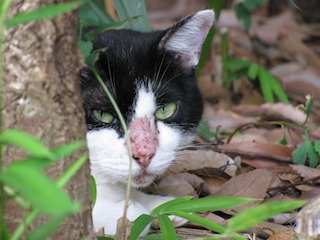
<point>37,188</point>
<point>133,8</point>
<point>205,204</point>
<point>166,205</point>
<point>251,216</point>
<point>85,48</point>
<point>300,154</point>
<point>93,190</point>
<point>313,156</point>
<point>243,14</point>
<point>236,75</point>
<point>26,142</point>
<point>277,89</point>
<point>205,132</point>
<point>317,147</point>
<point>253,71</point>
<point>93,13</point>
<point>102,28</point>
<point>237,64</point>
<point>68,149</point>
<point>139,225</point>
<point>46,229</point>
<point>309,104</point>
<point>43,13</point>
<point>252,4</point>
<point>67,174</point>
<point>168,231</point>
<point>264,79</point>
<point>4,234</point>
<point>202,221</point>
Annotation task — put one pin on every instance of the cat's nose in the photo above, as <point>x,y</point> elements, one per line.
<point>143,161</point>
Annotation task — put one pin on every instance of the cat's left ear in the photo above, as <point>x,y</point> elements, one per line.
<point>186,37</point>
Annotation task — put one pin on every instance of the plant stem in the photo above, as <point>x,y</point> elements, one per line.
<point>127,137</point>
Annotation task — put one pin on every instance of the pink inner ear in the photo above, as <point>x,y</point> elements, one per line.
<point>144,140</point>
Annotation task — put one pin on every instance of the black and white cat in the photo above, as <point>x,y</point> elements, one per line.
<point>152,78</point>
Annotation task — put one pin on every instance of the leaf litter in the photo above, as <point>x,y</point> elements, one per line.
<point>255,157</point>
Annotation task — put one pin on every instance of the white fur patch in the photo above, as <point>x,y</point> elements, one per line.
<point>145,104</point>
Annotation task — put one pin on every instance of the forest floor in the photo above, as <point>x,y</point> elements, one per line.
<point>249,151</point>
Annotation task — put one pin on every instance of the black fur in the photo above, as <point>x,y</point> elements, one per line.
<point>133,58</point>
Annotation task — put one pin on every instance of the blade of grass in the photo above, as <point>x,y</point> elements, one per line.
<point>166,205</point>
<point>168,231</point>
<point>254,215</point>
<point>43,13</point>
<point>133,8</point>
<point>139,225</point>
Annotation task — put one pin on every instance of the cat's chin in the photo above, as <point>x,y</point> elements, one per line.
<point>143,179</point>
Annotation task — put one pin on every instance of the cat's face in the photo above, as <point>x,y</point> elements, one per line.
<point>151,78</point>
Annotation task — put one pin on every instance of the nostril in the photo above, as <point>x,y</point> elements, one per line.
<point>143,161</point>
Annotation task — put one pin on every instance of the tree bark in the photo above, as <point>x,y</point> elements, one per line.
<point>42,97</point>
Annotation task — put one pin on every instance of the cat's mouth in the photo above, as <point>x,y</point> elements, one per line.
<point>142,179</point>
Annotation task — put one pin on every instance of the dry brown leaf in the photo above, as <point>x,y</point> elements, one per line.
<point>214,184</point>
<point>278,111</point>
<point>178,185</point>
<point>282,25</point>
<point>266,229</point>
<point>306,172</point>
<point>288,235</point>
<point>190,160</point>
<point>298,80</point>
<point>253,184</point>
<point>259,154</point>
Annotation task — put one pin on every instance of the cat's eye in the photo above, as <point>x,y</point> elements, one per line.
<point>103,116</point>
<point>165,111</point>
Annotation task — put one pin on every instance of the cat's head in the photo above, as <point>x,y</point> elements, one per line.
<point>151,77</point>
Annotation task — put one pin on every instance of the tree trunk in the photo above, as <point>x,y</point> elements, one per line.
<point>42,97</point>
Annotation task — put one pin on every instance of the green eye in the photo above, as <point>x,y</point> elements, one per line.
<point>103,116</point>
<point>165,111</point>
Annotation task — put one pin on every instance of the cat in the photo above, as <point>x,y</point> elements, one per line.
<point>152,79</point>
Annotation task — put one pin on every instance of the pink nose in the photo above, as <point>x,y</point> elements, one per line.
<point>144,140</point>
<point>143,161</point>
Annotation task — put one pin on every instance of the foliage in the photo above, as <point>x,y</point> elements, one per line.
<point>27,184</point>
<point>217,5</point>
<point>269,85</point>
<point>25,181</point>
<point>244,9</point>
<point>309,149</point>
<point>184,207</point>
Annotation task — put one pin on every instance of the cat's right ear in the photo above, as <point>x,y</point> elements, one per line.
<point>185,38</point>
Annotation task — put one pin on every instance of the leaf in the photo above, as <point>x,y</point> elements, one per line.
<point>46,229</point>
<point>102,28</point>
<point>317,147</point>
<point>253,71</point>
<point>283,141</point>
<point>300,154</point>
<point>166,205</point>
<point>243,14</point>
<point>251,216</point>
<point>93,13</point>
<point>264,79</point>
<point>139,225</point>
<point>133,8</point>
<point>38,189</point>
<point>205,204</point>
<point>202,221</point>
<point>93,190</point>
<point>67,174</point>
<point>313,156</point>
<point>43,13</point>
<point>236,64</point>
<point>68,149</point>
<point>277,89</point>
<point>85,48</point>
<point>252,4</point>
<point>236,75</point>
<point>26,142</point>
<point>167,229</point>
<point>205,132</point>
<point>309,104</point>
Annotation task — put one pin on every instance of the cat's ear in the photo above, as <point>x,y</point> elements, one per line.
<point>186,37</point>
